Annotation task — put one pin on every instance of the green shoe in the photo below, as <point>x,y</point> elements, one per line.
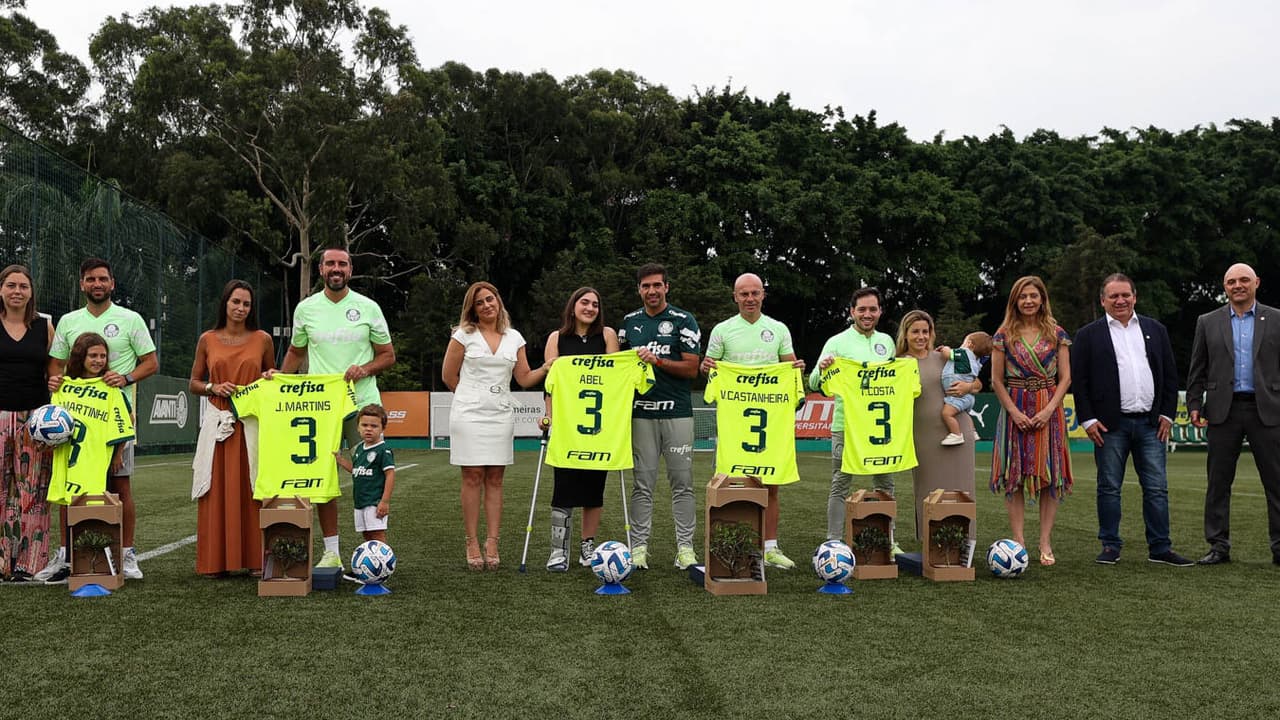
<point>640,556</point>
<point>329,560</point>
<point>775,558</point>
<point>684,557</point>
<point>896,551</point>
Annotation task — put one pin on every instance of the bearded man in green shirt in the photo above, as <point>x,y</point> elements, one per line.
<point>863,343</point>
<point>340,332</point>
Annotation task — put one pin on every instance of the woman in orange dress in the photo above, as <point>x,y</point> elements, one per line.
<point>231,355</point>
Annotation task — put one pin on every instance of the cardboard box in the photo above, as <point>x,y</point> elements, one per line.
<point>285,517</point>
<point>948,507</point>
<point>98,513</point>
<point>730,500</point>
<point>871,509</point>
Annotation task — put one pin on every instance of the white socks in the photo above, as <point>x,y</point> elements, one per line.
<point>331,544</point>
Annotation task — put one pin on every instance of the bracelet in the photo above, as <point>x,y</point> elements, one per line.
<point>658,362</point>
<point>208,388</point>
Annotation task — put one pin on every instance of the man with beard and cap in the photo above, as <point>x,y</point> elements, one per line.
<point>1234,388</point>
<point>862,343</point>
<point>131,357</point>
<point>340,332</point>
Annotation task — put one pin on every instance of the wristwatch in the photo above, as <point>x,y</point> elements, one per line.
<point>208,388</point>
<point>128,379</point>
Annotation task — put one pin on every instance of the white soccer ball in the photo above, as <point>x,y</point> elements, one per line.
<point>373,562</point>
<point>51,425</point>
<point>833,561</point>
<point>611,562</point>
<point>1007,559</point>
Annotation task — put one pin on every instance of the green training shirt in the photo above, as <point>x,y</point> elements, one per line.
<point>340,334</point>
<point>759,343</point>
<point>124,330</point>
<point>853,345</point>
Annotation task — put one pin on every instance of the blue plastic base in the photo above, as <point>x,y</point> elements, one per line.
<point>373,590</point>
<point>90,590</point>
<point>612,589</point>
<point>835,588</point>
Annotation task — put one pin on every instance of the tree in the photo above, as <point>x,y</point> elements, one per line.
<point>42,88</point>
<point>270,84</point>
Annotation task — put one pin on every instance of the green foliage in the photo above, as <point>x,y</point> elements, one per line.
<point>288,551</point>
<point>279,126</point>
<point>950,538</point>
<point>96,543</point>
<point>736,545</point>
<point>871,539</point>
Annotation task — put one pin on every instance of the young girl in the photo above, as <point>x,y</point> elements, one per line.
<point>101,413</point>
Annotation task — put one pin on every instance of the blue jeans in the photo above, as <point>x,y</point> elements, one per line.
<point>1136,437</point>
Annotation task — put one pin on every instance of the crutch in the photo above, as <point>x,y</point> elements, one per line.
<point>626,518</point>
<point>537,475</point>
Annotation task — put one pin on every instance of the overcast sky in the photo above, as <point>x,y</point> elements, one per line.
<point>963,68</point>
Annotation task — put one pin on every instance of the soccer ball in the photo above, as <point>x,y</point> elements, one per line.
<point>611,562</point>
<point>373,562</point>
<point>51,425</point>
<point>1007,559</point>
<point>833,561</point>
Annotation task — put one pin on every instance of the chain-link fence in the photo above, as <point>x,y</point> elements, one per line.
<point>53,215</point>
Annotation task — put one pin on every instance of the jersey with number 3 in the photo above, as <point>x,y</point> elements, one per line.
<point>299,428</point>
<point>879,408</point>
<point>102,422</point>
<point>756,419</point>
<point>591,398</point>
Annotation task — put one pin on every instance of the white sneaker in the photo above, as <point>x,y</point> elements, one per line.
<point>953,439</point>
<point>131,569</point>
<point>586,550</point>
<point>56,565</point>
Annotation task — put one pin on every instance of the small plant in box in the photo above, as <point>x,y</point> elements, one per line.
<point>872,541</point>
<point>96,543</point>
<point>288,552</point>
<point>737,546</point>
<point>950,538</point>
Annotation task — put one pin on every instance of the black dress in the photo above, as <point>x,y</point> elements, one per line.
<point>579,488</point>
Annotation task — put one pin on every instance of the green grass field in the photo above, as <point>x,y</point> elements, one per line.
<point>1135,640</point>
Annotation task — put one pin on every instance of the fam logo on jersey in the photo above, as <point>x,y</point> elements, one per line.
<point>881,349</point>
<point>766,335</point>
<point>169,410</point>
<point>353,315</point>
<point>665,327</point>
<point>111,330</point>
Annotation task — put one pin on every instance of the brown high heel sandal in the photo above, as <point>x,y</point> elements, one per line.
<point>475,560</point>
<point>491,559</point>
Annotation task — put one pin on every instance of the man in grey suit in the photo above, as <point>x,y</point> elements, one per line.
<point>1234,388</point>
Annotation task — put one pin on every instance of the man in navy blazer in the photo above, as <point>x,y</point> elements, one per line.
<point>1126,391</point>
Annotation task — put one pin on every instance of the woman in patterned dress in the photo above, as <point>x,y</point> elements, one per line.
<point>25,466</point>
<point>1030,373</point>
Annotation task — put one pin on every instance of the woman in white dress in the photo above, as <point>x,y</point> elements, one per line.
<point>484,353</point>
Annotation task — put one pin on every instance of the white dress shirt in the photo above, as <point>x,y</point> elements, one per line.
<point>1137,386</point>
